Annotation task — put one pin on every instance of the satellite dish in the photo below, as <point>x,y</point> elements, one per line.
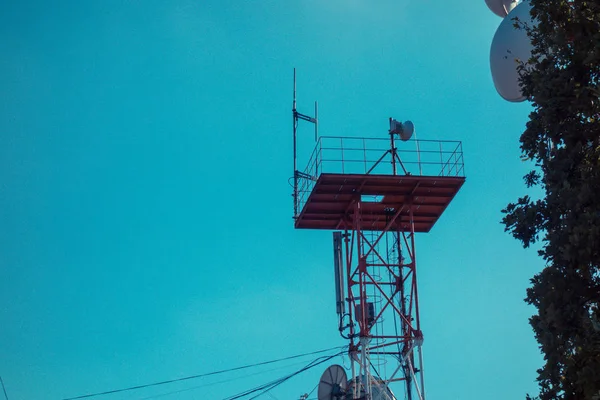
<point>510,5</point>
<point>501,7</point>
<point>333,383</point>
<point>510,45</point>
<point>404,130</point>
<point>497,7</point>
<point>407,132</point>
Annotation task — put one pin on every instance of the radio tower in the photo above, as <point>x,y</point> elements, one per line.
<point>375,194</point>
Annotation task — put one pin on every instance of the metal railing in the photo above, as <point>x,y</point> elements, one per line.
<point>356,155</point>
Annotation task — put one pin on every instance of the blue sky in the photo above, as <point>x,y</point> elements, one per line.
<point>145,211</point>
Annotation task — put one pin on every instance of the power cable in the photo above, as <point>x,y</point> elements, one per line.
<point>311,365</point>
<point>219,382</point>
<point>311,392</point>
<point>3,388</point>
<point>268,385</point>
<point>197,376</point>
<point>271,385</point>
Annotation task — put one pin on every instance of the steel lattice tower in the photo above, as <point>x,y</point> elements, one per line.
<point>375,194</point>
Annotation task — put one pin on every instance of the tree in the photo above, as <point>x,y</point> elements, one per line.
<point>562,137</point>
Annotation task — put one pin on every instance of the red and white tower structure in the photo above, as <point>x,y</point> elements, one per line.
<point>376,194</point>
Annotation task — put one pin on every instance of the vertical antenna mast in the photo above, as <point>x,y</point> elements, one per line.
<point>298,116</point>
<point>316,121</point>
<point>295,117</point>
<point>294,106</point>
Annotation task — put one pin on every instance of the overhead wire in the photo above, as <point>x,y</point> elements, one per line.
<point>198,375</point>
<point>219,382</point>
<point>3,388</point>
<point>265,388</point>
<point>311,392</point>
<point>311,365</point>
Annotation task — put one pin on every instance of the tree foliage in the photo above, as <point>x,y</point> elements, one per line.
<point>562,137</point>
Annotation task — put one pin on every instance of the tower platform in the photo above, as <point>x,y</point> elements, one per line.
<point>329,205</point>
<point>422,178</point>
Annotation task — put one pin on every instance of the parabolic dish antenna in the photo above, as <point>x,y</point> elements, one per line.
<point>407,131</point>
<point>332,385</point>
<point>501,7</point>
<point>509,46</point>
<point>403,130</point>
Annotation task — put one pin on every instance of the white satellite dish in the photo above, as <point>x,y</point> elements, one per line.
<point>404,130</point>
<point>333,383</point>
<point>501,7</point>
<point>509,46</point>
